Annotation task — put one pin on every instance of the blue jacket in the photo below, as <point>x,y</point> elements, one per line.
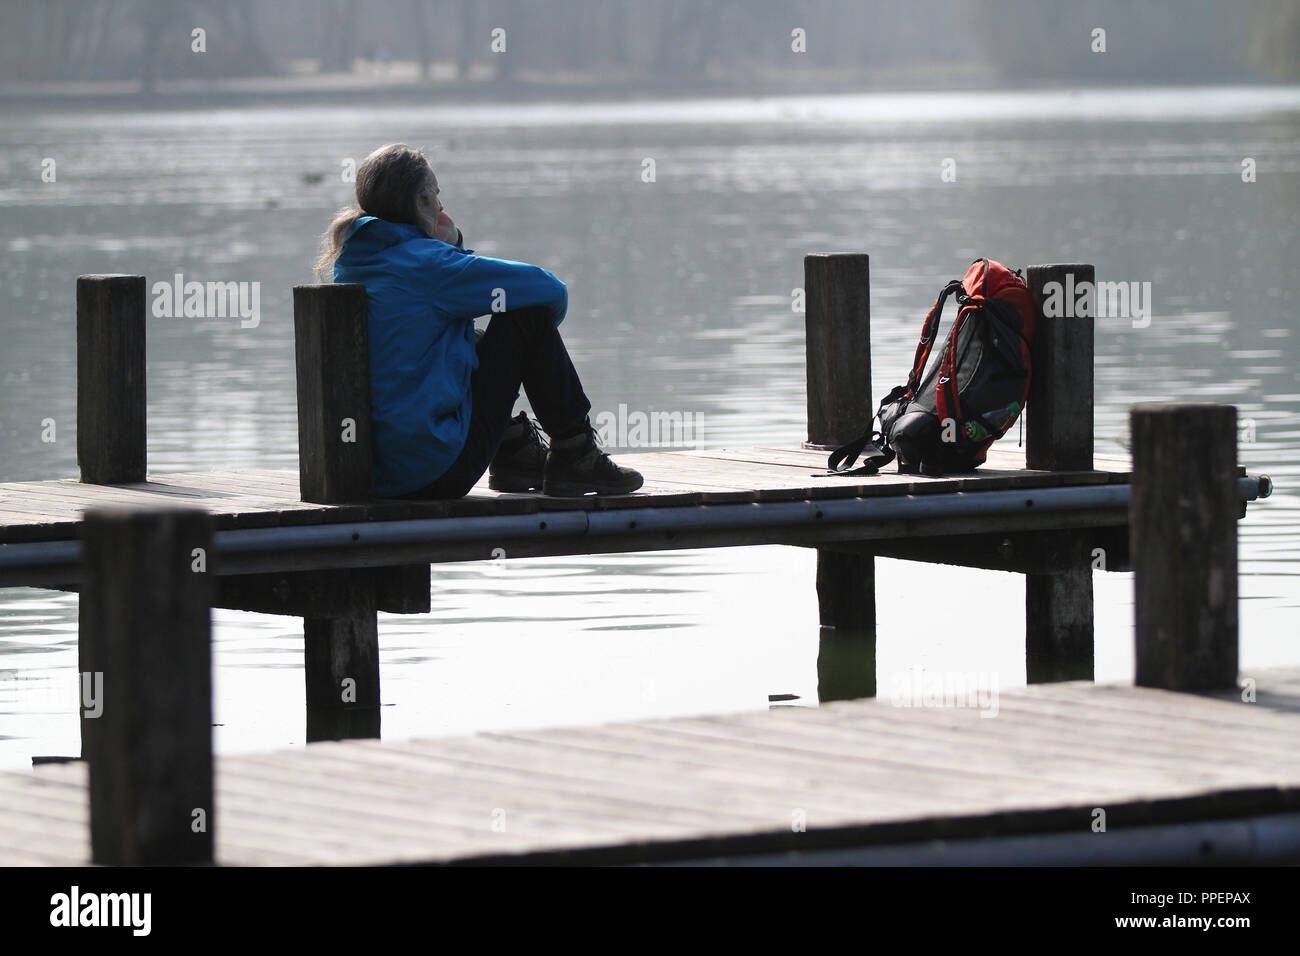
<point>423,297</point>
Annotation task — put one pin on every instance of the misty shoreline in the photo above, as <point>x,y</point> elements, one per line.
<point>359,89</point>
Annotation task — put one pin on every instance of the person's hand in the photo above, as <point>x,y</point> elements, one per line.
<point>447,230</point>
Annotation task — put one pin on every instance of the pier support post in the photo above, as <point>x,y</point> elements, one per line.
<point>333,370</point>
<point>146,673</point>
<point>846,590</point>
<point>1183,526</point>
<point>342,666</point>
<point>837,328</point>
<point>111,378</point>
<point>334,467</point>
<point>1059,437</point>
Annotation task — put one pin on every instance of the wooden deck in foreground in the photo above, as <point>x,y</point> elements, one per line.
<point>864,773</point>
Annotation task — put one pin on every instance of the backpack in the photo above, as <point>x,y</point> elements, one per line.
<point>947,421</point>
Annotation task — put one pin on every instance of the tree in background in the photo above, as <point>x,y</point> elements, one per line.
<point>1274,39</point>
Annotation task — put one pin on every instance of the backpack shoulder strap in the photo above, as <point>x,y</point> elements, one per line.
<point>928,331</point>
<point>875,453</point>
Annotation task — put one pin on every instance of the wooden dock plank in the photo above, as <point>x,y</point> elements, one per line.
<point>863,772</point>
<point>914,777</point>
<point>568,767</point>
<point>52,509</point>
<point>1008,749</point>
<point>403,788</point>
<point>1066,728</point>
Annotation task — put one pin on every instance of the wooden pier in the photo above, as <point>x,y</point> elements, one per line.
<point>151,554</point>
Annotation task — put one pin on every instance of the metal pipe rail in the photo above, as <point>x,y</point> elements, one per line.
<point>434,540</point>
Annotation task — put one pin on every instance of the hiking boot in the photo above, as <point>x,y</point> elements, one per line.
<point>520,461</point>
<point>576,466</point>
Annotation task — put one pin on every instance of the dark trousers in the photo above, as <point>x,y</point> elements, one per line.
<point>519,348</point>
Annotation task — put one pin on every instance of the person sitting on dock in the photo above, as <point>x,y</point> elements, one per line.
<point>441,395</point>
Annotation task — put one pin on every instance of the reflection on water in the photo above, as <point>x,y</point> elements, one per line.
<point>680,296</point>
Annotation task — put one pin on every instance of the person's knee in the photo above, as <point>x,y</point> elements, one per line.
<point>526,326</point>
<point>533,317</point>
<point>534,313</point>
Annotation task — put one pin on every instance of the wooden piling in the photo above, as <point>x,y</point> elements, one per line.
<point>837,329</point>
<point>1059,416</point>
<point>145,652</point>
<point>342,666</point>
<point>341,650</point>
<point>1059,437</point>
<point>111,378</point>
<point>846,590</point>
<point>1183,522</point>
<point>333,370</point>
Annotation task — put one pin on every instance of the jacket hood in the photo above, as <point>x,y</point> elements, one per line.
<point>385,232</point>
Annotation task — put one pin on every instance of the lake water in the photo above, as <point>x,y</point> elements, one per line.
<point>680,300</point>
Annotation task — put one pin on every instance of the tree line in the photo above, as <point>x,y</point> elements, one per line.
<point>686,42</point>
